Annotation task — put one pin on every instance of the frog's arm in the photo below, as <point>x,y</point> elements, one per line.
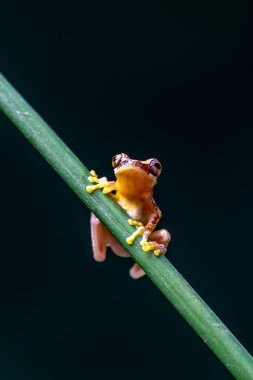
<point>147,230</point>
<point>153,221</point>
<point>101,183</point>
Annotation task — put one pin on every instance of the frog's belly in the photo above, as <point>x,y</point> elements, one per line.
<point>134,209</point>
<point>134,214</point>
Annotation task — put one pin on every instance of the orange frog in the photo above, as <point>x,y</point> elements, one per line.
<point>133,191</point>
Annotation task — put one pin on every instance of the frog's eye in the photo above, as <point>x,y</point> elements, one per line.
<point>116,160</point>
<point>155,167</point>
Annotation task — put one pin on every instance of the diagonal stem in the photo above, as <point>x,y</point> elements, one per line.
<point>175,288</point>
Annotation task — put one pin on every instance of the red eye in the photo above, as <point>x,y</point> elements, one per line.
<point>155,167</point>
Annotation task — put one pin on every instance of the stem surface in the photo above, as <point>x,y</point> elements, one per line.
<point>175,288</point>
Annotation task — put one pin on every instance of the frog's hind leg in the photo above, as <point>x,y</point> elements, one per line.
<point>101,238</point>
<point>136,271</point>
<point>98,238</point>
<point>158,243</point>
<point>161,237</point>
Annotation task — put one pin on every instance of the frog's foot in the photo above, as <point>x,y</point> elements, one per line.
<point>153,246</point>
<point>139,231</point>
<point>146,245</point>
<point>101,183</point>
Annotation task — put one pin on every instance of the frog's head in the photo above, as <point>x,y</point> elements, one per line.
<point>134,176</point>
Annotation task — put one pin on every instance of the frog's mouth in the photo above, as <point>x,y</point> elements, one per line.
<point>132,166</point>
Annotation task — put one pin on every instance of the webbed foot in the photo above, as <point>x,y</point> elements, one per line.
<point>146,245</point>
<point>101,183</point>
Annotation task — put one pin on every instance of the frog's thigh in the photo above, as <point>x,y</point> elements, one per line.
<point>115,246</point>
<point>136,271</point>
<point>161,236</point>
<point>98,238</point>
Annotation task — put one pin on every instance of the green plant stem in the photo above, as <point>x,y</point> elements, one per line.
<point>175,288</point>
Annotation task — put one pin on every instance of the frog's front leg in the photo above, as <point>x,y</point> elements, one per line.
<point>140,229</point>
<point>101,183</point>
<point>146,231</point>
<point>159,240</point>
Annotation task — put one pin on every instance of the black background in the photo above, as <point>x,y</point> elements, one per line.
<point>151,79</point>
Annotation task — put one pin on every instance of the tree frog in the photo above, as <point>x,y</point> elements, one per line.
<point>133,191</point>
